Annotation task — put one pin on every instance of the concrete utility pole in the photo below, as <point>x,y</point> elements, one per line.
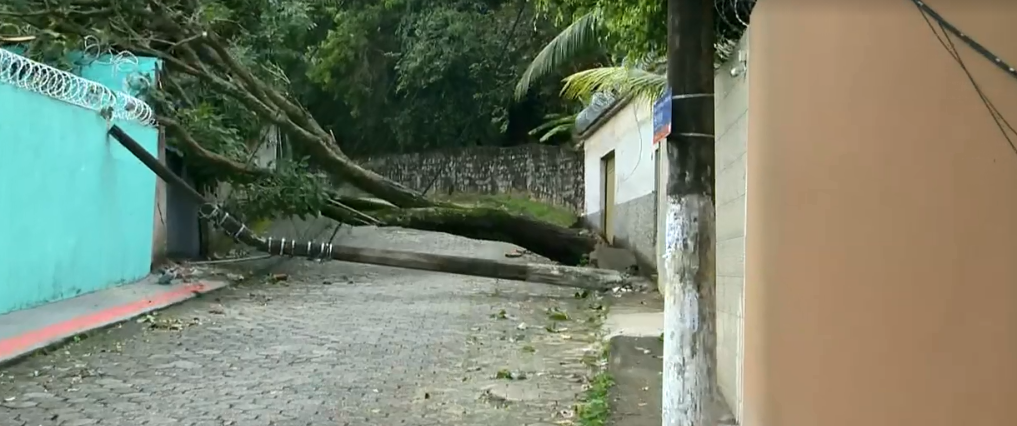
<point>690,338</point>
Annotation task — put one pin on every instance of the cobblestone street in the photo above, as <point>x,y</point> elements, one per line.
<point>335,344</point>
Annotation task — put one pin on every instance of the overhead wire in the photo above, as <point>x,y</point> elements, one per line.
<point>947,42</point>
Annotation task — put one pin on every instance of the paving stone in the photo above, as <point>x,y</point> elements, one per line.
<point>386,347</point>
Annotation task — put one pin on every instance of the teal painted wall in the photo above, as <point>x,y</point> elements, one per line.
<point>76,209</point>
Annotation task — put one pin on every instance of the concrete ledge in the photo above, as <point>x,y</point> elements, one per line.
<point>26,331</point>
<point>635,315</point>
<point>634,324</point>
<point>647,267</point>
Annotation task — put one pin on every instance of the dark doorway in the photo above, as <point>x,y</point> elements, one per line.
<point>183,235</point>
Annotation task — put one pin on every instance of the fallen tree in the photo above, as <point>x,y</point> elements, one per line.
<point>558,275</point>
<point>205,70</point>
<point>564,245</point>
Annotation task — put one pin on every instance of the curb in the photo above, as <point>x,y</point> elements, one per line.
<point>18,347</point>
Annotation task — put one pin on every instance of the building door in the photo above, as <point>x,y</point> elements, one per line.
<point>607,167</point>
<point>183,235</point>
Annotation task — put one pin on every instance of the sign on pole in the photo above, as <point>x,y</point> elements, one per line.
<point>662,117</point>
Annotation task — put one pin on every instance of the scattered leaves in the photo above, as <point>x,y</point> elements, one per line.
<point>507,374</point>
<point>557,314</point>
<point>594,408</point>
<point>172,324</point>
<point>553,328</point>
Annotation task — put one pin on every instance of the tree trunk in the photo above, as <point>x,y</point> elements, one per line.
<point>346,170</point>
<point>564,245</point>
<point>690,373</point>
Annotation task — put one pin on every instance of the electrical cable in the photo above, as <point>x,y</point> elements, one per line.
<point>996,60</point>
<point>947,43</point>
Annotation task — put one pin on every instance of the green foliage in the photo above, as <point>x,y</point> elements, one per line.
<point>634,28</point>
<point>292,191</point>
<point>631,36</point>
<point>581,36</point>
<point>382,76</point>
<point>595,407</point>
<point>640,84</point>
<point>634,35</point>
<point>556,124</point>
<point>412,75</point>
<point>517,204</point>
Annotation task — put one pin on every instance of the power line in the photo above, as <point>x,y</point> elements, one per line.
<point>947,42</point>
<point>945,25</point>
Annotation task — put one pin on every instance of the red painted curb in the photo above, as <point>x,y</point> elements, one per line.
<point>34,339</point>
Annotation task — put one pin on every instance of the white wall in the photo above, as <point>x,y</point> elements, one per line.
<point>731,129</point>
<point>630,134</point>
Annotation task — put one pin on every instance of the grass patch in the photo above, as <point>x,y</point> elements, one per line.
<point>518,204</point>
<point>594,408</point>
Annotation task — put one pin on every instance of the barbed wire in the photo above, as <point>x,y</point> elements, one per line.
<point>122,62</point>
<point>26,74</point>
<point>731,19</point>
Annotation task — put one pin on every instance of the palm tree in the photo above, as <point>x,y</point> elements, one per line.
<point>581,37</point>
<point>597,88</point>
<point>636,78</point>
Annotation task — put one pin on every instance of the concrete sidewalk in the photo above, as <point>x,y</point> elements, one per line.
<point>634,326</point>
<point>25,331</point>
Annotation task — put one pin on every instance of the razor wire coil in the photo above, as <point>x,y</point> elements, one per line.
<point>26,74</point>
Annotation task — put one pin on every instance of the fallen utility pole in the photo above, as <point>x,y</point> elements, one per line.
<point>558,275</point>
<point>690,338</point>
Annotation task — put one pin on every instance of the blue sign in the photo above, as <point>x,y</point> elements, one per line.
<point>662,117</point>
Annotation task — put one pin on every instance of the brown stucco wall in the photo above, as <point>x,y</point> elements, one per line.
<point>881,244</point>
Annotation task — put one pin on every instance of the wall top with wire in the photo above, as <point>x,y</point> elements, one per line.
<point>26,74</point>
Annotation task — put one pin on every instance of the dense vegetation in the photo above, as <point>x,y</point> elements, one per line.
<point>347,78</point>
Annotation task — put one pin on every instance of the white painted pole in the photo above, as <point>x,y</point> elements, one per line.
<point>690,338</point>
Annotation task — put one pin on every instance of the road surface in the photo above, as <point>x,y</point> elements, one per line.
<point>335,344</point>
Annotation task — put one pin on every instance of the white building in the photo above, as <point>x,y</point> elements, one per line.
<point>625,180</point>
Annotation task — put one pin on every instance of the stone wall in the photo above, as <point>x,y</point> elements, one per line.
<point>547,173</point>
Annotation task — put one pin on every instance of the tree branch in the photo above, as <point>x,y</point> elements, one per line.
<point>220,163</point>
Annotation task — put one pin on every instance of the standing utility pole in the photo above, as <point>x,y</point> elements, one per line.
<point>690,338</point>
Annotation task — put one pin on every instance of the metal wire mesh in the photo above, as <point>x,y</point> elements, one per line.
<point>26,74</point>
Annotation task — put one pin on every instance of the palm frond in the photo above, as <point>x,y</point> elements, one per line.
<point>555,124</point>
<point>651,61</point>
<point>582,34</point>
<point>622,81</point>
